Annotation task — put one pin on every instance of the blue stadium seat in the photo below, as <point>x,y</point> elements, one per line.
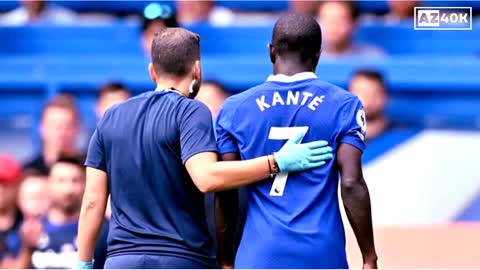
<point>381,6</point>
<point>8,5</point>
<point>399,39</point>
<point>112,7</point>
<point>118,38</point>
<point>257,6</point>
<point>403,39</point>
<point>425,91</point>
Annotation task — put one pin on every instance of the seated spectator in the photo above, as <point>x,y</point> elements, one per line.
<point>401,10</point>
<point>33,200</point>
<point>10,217</point>
<point>338,19</point>
<point>36,12</point>
<point>59,129</point>
<point>370,87</point>
<point>56,243</point>
<point>155,18</point>
<point>213,95</point>
<point>109,95</point>
<point>196,12</point>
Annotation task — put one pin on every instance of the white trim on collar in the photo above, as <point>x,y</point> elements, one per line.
<point>297,77</point>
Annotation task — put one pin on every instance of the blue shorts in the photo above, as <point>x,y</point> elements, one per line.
<point>140,261</point>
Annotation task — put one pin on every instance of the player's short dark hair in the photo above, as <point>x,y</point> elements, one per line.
<point>174,50</point>
<point>63,101</point>
<point>112,87</point>
<point>296,34</point>
<point>352,7</point>
<point>370,74</point>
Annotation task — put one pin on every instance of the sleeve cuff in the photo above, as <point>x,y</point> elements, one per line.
<point>184,160</point>
<point>95,165</point>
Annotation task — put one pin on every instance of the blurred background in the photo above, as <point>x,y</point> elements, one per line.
<point>63,63</point>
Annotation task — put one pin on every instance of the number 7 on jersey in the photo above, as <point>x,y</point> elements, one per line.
<point>283,133</point>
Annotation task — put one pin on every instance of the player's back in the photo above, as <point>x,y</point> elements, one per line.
<point>156,208</point>
<point>299,226</point>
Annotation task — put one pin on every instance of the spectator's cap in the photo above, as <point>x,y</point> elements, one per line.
<point>10,170</point>
<point>155,11</point>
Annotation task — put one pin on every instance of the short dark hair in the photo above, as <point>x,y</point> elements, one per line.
<point>296,34</point>
<point>174,50</point>
<point>370,74</point>
<point>112,87</point>
<point>63,101</point>
<point>352,7</point>
<point>75,160</point>
<point>72,160</point>
<point>32,173</point>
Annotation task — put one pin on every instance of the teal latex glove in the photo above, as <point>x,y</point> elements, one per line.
<point>298,157</point>
<point>84,265</point>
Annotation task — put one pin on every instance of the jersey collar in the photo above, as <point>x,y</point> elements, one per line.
<point>287,79</point>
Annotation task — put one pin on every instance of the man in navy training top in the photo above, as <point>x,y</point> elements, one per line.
<point>293,219</point>
<point>155,154</point>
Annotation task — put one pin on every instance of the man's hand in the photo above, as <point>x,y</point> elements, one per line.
<point>298,157</point>
<point>30,233</point>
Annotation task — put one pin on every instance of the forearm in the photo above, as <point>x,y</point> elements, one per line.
<point>90,224</point>
<point>356,200</point>
<point>226,209</point>
<point>225,175</point>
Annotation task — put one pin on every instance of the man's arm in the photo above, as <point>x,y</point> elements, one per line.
<point>210,175</point>
<point>92,213</point>
<point>356,200</point>
<point>226,209</point>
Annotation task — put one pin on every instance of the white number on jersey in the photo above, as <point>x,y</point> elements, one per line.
<point>283,133</point>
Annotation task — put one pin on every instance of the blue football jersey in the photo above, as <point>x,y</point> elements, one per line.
<point>293,220</point>
<point>57,247</point>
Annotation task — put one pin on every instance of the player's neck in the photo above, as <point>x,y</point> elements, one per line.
<point>181,85</point>
<point>290,68</point>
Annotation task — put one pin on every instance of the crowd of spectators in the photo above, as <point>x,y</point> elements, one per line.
<point>40,200</point>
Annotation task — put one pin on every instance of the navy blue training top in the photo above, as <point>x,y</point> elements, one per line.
<point>142,144</point>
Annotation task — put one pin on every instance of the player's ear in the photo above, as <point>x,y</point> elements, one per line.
<point>151,71</point>
<point>271,51</point>
<point>197,71</point>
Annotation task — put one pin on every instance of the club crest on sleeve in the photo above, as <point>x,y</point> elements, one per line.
<point>361,120</point>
